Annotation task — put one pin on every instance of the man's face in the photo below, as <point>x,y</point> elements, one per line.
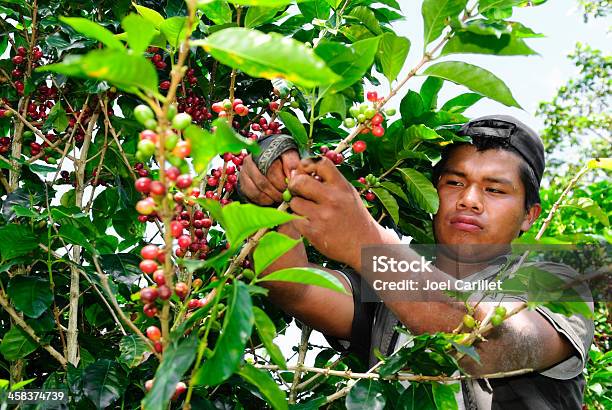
<point>482,199</point>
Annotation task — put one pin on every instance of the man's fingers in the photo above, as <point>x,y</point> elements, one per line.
<point>290,160</point>
<point>250,190</point>
<point>307,187</point>
<point>323,168</point>
<point>302,207</point>
<point>260,181</point>
<point>276,175</point>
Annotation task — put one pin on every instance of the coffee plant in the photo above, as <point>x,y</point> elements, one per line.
<point>130,273</point>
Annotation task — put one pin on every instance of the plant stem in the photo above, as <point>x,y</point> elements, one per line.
<point>306,331</point>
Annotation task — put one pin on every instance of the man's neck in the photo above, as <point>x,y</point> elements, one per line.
<point>458,269</point>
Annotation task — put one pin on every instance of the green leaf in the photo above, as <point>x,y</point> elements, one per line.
<point>257,16</point>
<point>317,9</point>
<point>392,53</point>
<point>16,344</point>
<point>139,31</point>
<point>417,396</point>
<point>93,30</point>
<point>265,55</point>
<point>9,248</point>
<point>307,276</point>
<point>366,394</point>
<point>103,382</point>
<point>421,189</point>
<point>351,62</point>
<point>133,350</point>
<point>73,235</point>
<point>461,102</point>
<point>125,71</point>
<point>394,363</point>
<point>205,146</point>
<point>486,5</point>
<point>444,395</point>
<point>465,42</point>
<point>429,92</point>
<point>388,202</point>
<point>333,103</point>
<point>267,332</point>
<point>411,107</point>
<point>56,120</point>
<point>436,14</point>
<point>420,132</point>
<point>230,346</point>
<point>295,127</point>
<point>266,385</point>
<point>467,350</point>
<point>367,17</point>
<point>395,189</point>
<point>30,295</point>
<point>243,220</point>
<point>122,267</point>
<point>175,30</point>
<point>150,14</point>
<point>589,206</point>
<point>219,12</point>
<point>271,247</point>
<point>475,78</point>
<point>267,3</point>
<point>178,357</point>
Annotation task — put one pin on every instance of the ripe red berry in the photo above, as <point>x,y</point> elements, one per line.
<point>217,107</point>
<point>149,310</point>
<point>184,241</point>
<point>159,278</point>
<point>372,96</point>
<point>180,389</point>
<point>193,303</point>
<point>176,229</point>
<point>158,347</point>
<point>148,266</point>
<point>172,173</point>
<point>369,196</point>
<point>378,131</point>
<point>377,119</point>
<point>181,289</point>
<point>21,50</point>
<point>164,292</point>
<point>362,180</point>
<point>17,60</point>
<point>164,85</point>
<point>359,146</point>
<point>16,72</point>
<point>153,333</point>
<point>148,295</point>
<point>182,149</point>
<point>157,188</point>
<point>149,252</point>
<point>148,385</point>
<point>149,135</point>
<point>184,181</point>
<point>143,185</point>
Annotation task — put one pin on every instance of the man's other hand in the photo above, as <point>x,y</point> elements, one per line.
<point>267,189</point>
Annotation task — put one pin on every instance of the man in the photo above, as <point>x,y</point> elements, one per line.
<point>488,194</point>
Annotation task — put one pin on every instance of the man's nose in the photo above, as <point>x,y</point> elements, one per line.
<point>471,198</point>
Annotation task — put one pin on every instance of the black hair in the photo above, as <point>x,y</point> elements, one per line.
<point>526,174</point>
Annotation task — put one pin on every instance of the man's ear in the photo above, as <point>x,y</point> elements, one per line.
<point>530,217</point>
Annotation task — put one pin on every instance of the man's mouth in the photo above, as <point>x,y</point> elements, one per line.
<point>466,223</point>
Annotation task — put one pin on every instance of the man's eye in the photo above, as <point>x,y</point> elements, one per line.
<point>454,183</point>
<point>495,191</point>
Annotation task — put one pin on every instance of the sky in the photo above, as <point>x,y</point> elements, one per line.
<point>531,79</point>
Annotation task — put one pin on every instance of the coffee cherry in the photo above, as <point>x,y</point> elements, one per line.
<point>182,149</point>
<point>197,283</point>
<point>149,252</point>
<point>501,311</point>
<point>217,107</point>
<point>172,173</point>
<point>172,110</point>
<point>164,85</point>
<point>16,73</point>
<point>184,241</point>
<point>369,196</point>
<point>159,278</point>
<point>362,180</point>
<point>153,333</point>
<point>146,148</point>
<point>372,96</point>
<point>377,119</point>
<point>378,131</point>
<point>148,266</point>
<point>273,106</point>
<point>496,320</point>
<point>21,50</point>
<point>176,229</point>
<point>171,140</point>
<point>181,290</point>
<point>193,303</point>
<point>286,195</point>
<point>370,113</point>
<point>469,321</point>
<point>148,385</point>
<point>142,113</point>
<point>354,111</point>
<point>143,185</point>
<point>180,389</point>
<point>150,310</point>
<point>359,146</point>
<point>206,223</point>
<point>145,206</point>
<point>184,181</point>
<point>181,121</point>
<point>164,292</point>
<point>349,122</point>
<point>17,60</point>
<point>148,295</point>
<point>158,347</point>
<point>149,135</point>
<point>390,112</point>
<point>157,188</point>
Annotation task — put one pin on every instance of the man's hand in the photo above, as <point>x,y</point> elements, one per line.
<point>267,190</point>
<point>336,221</point>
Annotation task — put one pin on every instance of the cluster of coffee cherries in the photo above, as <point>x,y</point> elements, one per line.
<point>369,181</point>
<point>5,145</point>
<point>193,104</point>
<point>266,127</point>
<point>226,107</point>
<point>333,156</point>
<point>178,390</point>
<point>20,60</point>
<point>157,58</point>
<point>499,315</point>
<point>367,115</point>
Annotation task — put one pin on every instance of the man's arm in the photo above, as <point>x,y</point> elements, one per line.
<point>338,225</point>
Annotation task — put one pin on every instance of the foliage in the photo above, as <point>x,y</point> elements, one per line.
<point>122,129</point>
